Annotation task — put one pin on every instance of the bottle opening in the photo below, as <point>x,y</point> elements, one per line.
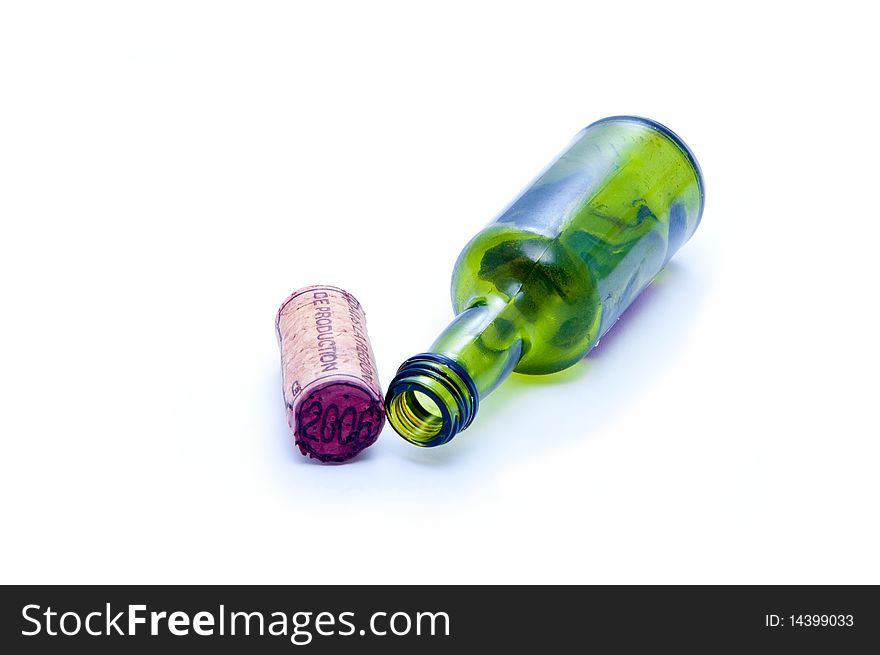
<point>416,416</point>
<point>431,399</point>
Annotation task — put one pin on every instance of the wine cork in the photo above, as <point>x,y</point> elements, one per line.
<point>328,372</point>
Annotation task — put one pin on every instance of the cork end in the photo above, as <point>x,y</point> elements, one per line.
<point>336,421</point>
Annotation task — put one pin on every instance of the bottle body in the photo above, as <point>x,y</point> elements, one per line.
<point>535,290</point>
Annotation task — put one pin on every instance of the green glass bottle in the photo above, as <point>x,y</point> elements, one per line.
<point>536,289</point>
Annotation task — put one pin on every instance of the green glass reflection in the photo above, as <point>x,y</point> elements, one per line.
<point>535,290</point>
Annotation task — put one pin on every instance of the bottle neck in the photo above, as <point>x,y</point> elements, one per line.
<point>435,395</point>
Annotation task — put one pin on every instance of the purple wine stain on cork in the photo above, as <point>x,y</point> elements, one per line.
<point>337,420</point>
<point>331,388</point>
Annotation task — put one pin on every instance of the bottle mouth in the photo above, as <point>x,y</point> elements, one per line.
<point>431,399</point>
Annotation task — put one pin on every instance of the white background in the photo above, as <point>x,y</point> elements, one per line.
<point>171,171</point>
